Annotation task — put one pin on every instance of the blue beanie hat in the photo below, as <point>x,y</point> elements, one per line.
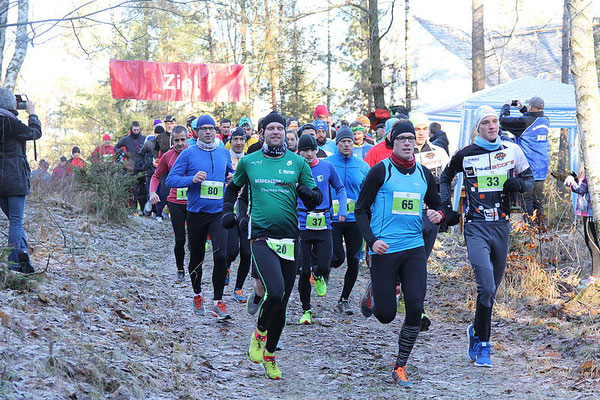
<point>321,125</point>
<point>389,124</point>
<point>205,120</point>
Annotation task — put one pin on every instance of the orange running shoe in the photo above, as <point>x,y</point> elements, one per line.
<point>399,376</point>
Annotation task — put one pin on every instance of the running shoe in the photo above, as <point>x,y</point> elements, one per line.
<point>257,347</point>
<point>239,297</point>
<point>425,322</point>
<point>227,276</point>
<point>306,318</point>
<point>400,306</point>
<point>344,307</point>
<point>180,277</point>
<point>159,219</point>
<point>472,341</point>
<point>312,280</point>
<point>272,371</point>
<point>220,311</point>
<point>399,376</point>
<point>251,307</point>
<point>366,303</point>
<point>592,280</point>
<point>483,359</point>
<point>320,286</point>
<point>199,305</point>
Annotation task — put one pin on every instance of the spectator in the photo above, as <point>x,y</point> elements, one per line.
<point>15,175</point>
<point>75,161</point>
<point>438,137</point>
<point>105,152</point>
<point>224,130</point>
<point>60,171</point>
<point>531,134</point>
<point>41,174</point>
<point>292,123</point>
<point>132,143</point>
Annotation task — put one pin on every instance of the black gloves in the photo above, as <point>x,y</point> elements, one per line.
<point>310,198</point>
<point>228,220</point>
<point>513,185</point>
<point>452,217</point>
<point>244,223</point>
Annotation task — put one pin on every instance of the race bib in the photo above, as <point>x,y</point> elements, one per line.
<point>316,221</point>
<point>350,205</point>
<point>491,181</point>
<point>406,203</point>
<point>211,190</point>
<point>182,193</point>
<point>284,248</point>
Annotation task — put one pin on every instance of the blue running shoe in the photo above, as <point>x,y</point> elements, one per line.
<point>483,359</point>
<point>472,341</point>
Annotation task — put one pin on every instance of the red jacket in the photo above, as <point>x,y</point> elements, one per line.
<point>164,166</point>
<point>75,162</point>
<point>377,153</point>
<point>103,153</point>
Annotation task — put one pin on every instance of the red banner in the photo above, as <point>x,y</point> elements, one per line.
<point>161,81</point>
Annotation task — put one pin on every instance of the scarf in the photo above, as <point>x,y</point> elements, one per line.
<point>486,144</point>
<point>207,146</point>
<point>401,163</point>
<point>274,151</point>
<point>315,162</point>
<point>236,155</point>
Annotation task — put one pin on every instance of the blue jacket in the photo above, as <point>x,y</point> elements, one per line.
<point>216,164</point>
<point>352,172</point>
<point>325,175</point>
<point>328,146</point>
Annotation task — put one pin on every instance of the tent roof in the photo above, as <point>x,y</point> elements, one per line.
<point>559,99</point>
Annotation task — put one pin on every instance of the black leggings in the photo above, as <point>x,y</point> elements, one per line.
<point>238,243</point>
<point>178,214</point>
<point>319,243</point>
<point>410,267</point>
<point>200,225</point>
<point>591,241</point>
<point>278,276</point>
<point>349,232</point>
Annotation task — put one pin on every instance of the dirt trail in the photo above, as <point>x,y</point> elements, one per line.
<point>113,325</point>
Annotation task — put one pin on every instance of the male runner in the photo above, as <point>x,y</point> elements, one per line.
<point>388,213</point>
<point>315,226</point>
<point>492,168</point>
<point>204,169</point>
<point>276,178</point>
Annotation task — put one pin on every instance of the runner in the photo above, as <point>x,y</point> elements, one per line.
<point>352,172</point>
<point>309,129</point>
<point>361,147</point>
<point>276,178</point>
<point>491,168</point>
<point>203,169</point>
<point>315,226</point>
<point>177,199</point>
<point>392,194</point>
<point>323,143</point>
<point>237,236</point>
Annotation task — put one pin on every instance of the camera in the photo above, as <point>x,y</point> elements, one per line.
<point>21,101</point>
<point>515,103</point>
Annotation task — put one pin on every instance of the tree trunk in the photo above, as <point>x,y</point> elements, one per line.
<point>563,146</point>
<point>478,47</point>
<point>3,20</point>
<point>328,60</point>
<point>375,55</point>
<point>21,42</point>
<point>243,30</point>
<point>268,44</point>
<point>209,34</point>
<point>586,96</point>
<point>407,77</point>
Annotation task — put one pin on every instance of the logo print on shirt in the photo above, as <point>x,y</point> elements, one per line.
<point>319,178</point>
<point>289,163</point>
<point>500,156</point>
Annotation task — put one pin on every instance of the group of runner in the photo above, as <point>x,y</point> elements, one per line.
<point>299,202</point>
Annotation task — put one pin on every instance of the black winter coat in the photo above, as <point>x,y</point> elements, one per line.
<point>440,139</point>
<point>132,145</point>
<point>14,169</point>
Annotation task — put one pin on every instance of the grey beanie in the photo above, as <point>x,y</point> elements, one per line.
<point>7,99</point>
<point>343,133</point>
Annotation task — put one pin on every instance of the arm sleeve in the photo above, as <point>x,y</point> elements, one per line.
<point>22,132</point>
<point>453,167</point>
<point>366,197</point>
<point>432,197</point>
<point>340,189</point>
<point>176,178</point>
<point>243,202</point>
<point>515,125</point>
<point>240,178</point>
<point>231,195</point>
<point>120,144</point>
<point>160,170</point>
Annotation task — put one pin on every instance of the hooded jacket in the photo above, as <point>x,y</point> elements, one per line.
<point>15,175</point>
<point>440,139</point>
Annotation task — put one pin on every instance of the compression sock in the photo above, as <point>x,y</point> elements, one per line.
<point>406,341</point>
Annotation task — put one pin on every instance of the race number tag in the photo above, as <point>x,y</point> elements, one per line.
<point>211,190</point>
<point>316,221</point>
<point>284,248</point>
<point>182,193</point>
<point>350,205</point>
<point>406,203</point>
<point>491,181</point>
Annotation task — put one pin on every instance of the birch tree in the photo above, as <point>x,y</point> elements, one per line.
<point>12,72</point>
<point>583,68</point>
<point>478,47</point>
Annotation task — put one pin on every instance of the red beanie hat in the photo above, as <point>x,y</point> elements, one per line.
<point>106,137</point>
<point>321,109</point>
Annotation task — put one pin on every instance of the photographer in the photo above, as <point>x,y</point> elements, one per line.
<point>531,134</point>
<point>15,173</point>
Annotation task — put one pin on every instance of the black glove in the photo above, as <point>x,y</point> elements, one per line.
<point>244,223</point>
<point>304,191</point>
<point>512,185</point>
<point>452,217</point>
<point>228,220</point>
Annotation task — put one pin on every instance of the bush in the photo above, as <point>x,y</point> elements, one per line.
<point>14,280</point>
<point>105,189</point>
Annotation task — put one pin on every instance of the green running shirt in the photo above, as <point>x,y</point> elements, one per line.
<point>273,197</point>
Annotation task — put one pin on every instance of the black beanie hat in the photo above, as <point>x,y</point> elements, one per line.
<point>158,129</point>
<point>344,133</point>
<point>237,131</point>
<point>307,142</point>
<point>273,116</point>
<point>75,150</point>
<point>401,127</point>
<point>304,127</point>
